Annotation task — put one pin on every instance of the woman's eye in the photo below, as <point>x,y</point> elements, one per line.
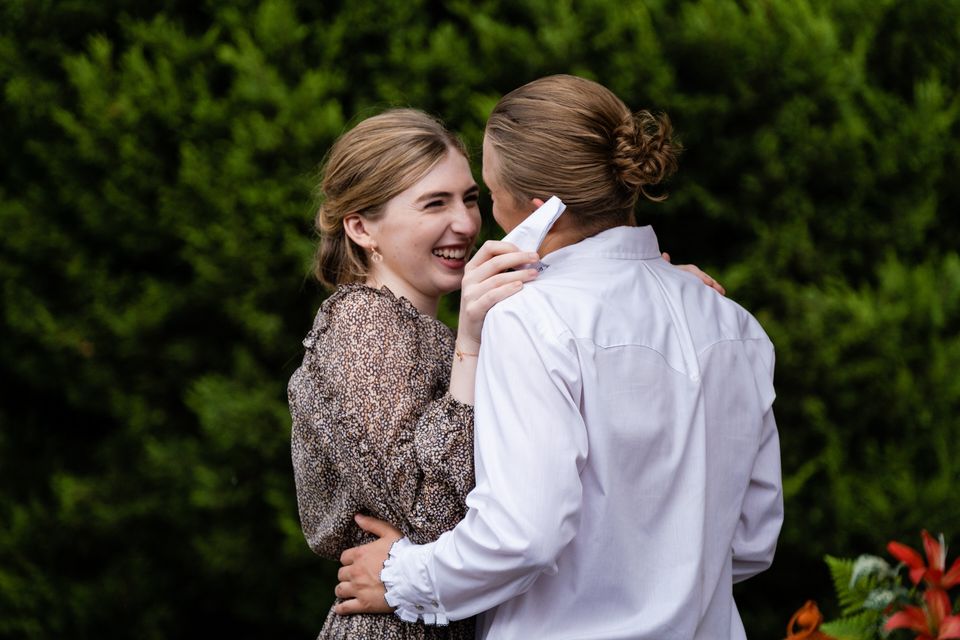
<point>471,200</point>
<point>434,203</point>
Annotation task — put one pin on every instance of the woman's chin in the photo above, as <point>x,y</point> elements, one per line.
<point>449,284</point>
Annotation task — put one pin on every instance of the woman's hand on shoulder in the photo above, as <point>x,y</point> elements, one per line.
<point>492,275</point>
<point>705,277</point>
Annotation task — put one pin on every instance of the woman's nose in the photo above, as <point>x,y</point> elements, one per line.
<point>466,220</point>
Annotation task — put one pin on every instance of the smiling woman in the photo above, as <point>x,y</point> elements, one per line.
<point>382,407</point>
<point>424,233</point>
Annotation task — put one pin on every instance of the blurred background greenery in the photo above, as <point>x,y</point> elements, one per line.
<point>156,168</point>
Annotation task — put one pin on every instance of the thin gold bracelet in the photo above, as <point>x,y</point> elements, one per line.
<point>460,354</point>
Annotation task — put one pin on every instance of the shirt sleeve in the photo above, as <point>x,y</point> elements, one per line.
<point>530,445</point>
<point>371,410</point>
<point>761,516</point>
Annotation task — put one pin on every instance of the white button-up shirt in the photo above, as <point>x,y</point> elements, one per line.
<point>627,459</point>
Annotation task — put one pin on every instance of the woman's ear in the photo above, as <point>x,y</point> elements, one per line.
<point>358,229</point>
<point>537,203</point>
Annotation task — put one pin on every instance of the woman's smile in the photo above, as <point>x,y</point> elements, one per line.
<point>452,256</point>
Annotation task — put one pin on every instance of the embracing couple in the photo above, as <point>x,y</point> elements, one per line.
<point>593,455</point>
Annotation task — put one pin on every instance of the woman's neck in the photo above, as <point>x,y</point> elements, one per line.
<point>427,305</point>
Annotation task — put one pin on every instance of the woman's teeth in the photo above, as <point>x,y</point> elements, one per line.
<point>450,254</point>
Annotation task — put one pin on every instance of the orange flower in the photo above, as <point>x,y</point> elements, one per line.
<point>805,624</point>
<point>932,622</point>
<point>933,570</point>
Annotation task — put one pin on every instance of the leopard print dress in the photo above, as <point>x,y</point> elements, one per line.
<point>376,431</point>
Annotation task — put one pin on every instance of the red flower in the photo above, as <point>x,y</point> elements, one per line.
<point>933,570</point>
<point>932,622</point>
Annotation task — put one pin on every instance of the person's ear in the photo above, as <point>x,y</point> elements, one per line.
<point>537,203</point>
<point>359,230</point>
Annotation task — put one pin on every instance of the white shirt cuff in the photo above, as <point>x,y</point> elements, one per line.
<point>405,578</point>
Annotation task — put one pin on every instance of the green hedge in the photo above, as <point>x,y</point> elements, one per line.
<point>155,208</point>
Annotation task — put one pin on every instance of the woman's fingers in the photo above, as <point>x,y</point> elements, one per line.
<point>478,298</point>
<point>495,295</point>
<point>348,607</point>
<point>705,277</point>
<point>343,591</point>
<point>492,248</point>
<point>379,528</point>
<point>484,295</point>
<point>493,274</point>
<point>478,271</point>
<point>474,300</point>
<point>481,287</point>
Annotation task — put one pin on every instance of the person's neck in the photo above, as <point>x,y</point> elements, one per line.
<point>427,305</point>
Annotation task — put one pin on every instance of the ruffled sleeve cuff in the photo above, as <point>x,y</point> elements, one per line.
<point>407,583</point>
<point>459,415</point>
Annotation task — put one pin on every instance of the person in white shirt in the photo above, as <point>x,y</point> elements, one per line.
<point>626,453</point>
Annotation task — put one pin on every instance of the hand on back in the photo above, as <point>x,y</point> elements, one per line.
<point>693,269</point>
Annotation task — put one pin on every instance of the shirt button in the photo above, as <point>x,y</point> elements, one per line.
<point>419,607</point>
<point>435,603</point>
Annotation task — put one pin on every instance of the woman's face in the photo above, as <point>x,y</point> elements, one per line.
<point>506,211</point>
<point>427,232</point>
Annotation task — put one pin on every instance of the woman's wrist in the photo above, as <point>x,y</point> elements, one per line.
<point>468,335</point>
<point>463,370</point>
<point>465,352</point>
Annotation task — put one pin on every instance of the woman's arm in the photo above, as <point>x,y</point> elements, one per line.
<point>444,453</point>
<point>372,382</point>
<point>374,428</point>
<point>525,508</point>
<point>489,277</point>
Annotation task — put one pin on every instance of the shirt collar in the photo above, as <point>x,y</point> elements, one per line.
<point>626,243</point>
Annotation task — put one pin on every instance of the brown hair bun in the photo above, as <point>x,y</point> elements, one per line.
<point>645,152</point>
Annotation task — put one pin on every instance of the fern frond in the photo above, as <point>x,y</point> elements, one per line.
<point>862,626</point>
<point>841,571</point>
<point>861,583</point>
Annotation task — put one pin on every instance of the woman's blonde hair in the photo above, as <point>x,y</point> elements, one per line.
<point>376,160</point>
<point>571,137</point>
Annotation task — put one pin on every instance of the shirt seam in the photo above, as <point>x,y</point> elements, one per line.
<point>657,351</point>
<point>721,340</point>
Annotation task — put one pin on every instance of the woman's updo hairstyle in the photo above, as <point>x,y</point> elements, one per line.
<point>573,138</point>
<point>367,166</point>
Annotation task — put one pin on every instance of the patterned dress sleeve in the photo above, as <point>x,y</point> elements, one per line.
<point>375,429</point>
